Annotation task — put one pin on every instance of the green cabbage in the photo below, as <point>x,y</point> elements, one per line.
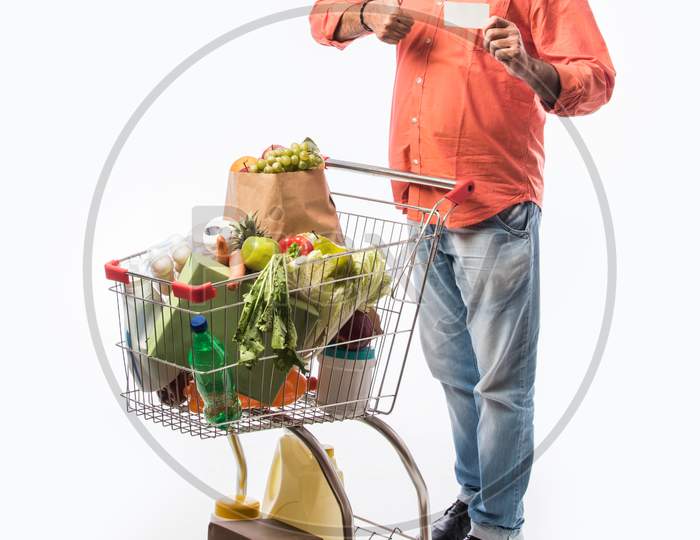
<point>338,286</point>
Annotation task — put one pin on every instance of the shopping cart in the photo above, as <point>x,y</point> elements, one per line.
<point>154,316</point>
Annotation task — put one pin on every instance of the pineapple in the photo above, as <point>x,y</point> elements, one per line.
<point>244,229</point>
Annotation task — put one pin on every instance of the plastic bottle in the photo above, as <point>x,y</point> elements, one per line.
<point>218,391</point>
<point>297,491</point>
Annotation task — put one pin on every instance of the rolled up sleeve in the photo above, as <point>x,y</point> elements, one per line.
<point>567,36</point>
<point>325,17</point>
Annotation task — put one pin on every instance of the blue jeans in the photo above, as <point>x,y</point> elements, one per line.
<point>479,326</point>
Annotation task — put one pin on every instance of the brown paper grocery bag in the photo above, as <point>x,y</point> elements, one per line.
<point>286,203</point>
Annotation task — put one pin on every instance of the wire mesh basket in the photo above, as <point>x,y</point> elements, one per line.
<point>369,530</point>
<point>348,376</point>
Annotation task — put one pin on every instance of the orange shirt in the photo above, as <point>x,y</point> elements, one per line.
<point>458,114</point>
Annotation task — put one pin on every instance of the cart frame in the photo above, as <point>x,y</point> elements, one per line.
<point>456,194</point>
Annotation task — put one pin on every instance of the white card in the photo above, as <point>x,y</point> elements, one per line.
<point>466,14</point>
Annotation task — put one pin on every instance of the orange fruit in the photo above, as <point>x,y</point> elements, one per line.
<point>243,162</point>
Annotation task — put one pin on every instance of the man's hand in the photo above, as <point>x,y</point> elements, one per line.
<point>503,41</point>
<point>388,21</point>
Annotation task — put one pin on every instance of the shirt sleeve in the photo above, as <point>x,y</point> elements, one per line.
<point>325,17</point>
<point>567,36</point>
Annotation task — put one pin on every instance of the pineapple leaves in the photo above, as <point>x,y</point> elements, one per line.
<point>249,226</point>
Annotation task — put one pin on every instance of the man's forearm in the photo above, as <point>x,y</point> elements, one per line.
<point>350,26</point>
<point>384,18</point>
<point>544,79</point>
<point>504,42</point>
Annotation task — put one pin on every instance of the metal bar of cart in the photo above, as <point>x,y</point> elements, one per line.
<point>242,486</point>
<point>413,471</point>
<point>334,482</point>
<point>432,181</point>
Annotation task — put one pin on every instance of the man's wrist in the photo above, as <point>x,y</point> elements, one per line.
<point>529,70</point>
<point>363,22</point>
<point>349,27</point>
<point>543,78</point>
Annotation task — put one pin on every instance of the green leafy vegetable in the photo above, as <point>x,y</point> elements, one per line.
<point>336,290</point>
<point>266,310</point>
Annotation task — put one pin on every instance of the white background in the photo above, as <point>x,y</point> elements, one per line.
<point>73,72</point>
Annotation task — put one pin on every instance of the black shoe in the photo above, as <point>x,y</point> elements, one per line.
<point>454,525</point>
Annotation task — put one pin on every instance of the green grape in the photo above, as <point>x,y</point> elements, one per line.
<point>305,146</point>
<point>261,164</point>
<point>277,167</point>
<point>294,160</point>
<point>296,148</point>
<point>303,165</point>
<point>268,169</point>
<point>253,168</point>
<point>271,160</point>
<point>286,161</point>
<point>304,155</point>
<point>268,155</point>
<point>287,152</point>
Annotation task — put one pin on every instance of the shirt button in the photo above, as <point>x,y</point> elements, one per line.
<point>428,41</point>
<point>414,120</point>
<point>416,162</point>
<point>419,80</point>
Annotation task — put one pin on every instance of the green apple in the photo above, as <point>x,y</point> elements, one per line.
<point>257,252</point>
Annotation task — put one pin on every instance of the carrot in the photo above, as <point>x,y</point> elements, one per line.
<point>237,269</point>
<point>222,253</point>
<point>194,399</point>
<point>295,386</point>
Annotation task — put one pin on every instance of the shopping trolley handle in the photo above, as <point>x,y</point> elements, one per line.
<point>461,193</point>
<point>458,192</point>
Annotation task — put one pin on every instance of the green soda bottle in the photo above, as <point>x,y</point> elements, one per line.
<point>218,391</point>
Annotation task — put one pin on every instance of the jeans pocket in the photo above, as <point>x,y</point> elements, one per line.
<point>516,219</point>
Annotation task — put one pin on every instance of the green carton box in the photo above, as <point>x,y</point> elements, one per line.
<point>173,337</point>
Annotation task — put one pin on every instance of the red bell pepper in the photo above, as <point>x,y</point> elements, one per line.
<point>303,245</point>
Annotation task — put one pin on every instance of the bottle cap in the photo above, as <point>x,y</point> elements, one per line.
<point>199,324</point>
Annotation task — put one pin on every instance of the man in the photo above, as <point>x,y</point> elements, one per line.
<point>471,104</point>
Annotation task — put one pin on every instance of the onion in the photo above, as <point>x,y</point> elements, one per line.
<point>359,327</point>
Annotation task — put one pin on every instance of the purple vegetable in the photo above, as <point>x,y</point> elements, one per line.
<point>359,327</point>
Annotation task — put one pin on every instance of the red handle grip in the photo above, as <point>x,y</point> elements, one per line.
<point>461,193</point>
<point>115,272</point>
<point>197,294</point>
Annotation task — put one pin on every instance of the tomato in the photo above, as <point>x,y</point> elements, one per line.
<point>304,245</point>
